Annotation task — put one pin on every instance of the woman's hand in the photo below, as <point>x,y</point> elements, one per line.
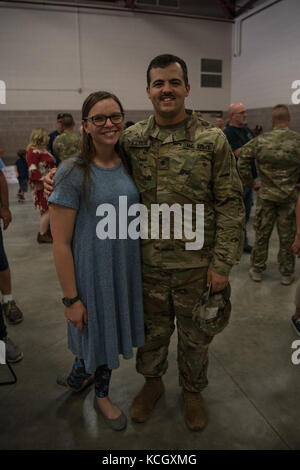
<point>49,182</point>
<point>77,314</point>
<point>5,214</point>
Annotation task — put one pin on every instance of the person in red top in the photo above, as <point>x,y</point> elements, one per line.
<point>40,161</point>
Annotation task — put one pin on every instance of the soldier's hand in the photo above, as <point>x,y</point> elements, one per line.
<point>49,182</point>
<point>296,246</point>
<point>218,282</point>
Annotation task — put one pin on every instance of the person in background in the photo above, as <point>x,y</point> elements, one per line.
<point>67,144</point>
<point>257,130</point>
<point>295,319</point>
<point>40,161</point>
<point>9,308</point>
<point>21,169</point>
<point>219,122</point>
<point>2,165</point>
<point>277,157</point>
<point>238,134</point>
<point>52,136</point>
<point>12,351</point>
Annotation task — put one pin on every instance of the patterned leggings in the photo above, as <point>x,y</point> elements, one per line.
<point>78,375</point>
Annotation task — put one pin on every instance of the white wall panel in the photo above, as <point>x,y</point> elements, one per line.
<point>270,56</point>
<point>47,54</point>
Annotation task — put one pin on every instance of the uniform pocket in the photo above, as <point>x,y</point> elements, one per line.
<point>191,176</point>
<point>143,169</point>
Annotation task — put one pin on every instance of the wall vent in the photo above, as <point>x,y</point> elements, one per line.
<point>211,73</point>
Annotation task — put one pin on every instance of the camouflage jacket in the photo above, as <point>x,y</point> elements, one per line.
<point>66,145</point>
<point>277,156</point>
<point>190,163</point>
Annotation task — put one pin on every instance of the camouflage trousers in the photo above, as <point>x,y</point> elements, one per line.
<point>267,213</point>
<point>176,294</point>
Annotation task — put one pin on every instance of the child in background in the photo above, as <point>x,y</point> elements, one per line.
<point>2,165</point>
<point>40,161</point>
<point>21,168</point>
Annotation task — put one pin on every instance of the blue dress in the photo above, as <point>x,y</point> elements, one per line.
<point>108,271</point>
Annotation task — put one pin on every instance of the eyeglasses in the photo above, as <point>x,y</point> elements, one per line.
<point>241,112</point>
<point>99,120</point>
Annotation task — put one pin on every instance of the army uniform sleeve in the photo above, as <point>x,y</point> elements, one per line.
<point>57,147</point>
<point>229,209</point>
<point>124,155</point>
<point>245,160</point>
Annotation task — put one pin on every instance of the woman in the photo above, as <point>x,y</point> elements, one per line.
<point>40,161</point>
<point>100,278</point>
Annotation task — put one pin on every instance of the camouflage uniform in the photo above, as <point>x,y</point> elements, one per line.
<point>190,163</point>
<point>66,145</point>
<point>277,156</point>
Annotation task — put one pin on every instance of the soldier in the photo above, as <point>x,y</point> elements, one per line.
<point>67,144</point>
<point>177,157</point>
<point>277,156</point>
<point>219,122</point>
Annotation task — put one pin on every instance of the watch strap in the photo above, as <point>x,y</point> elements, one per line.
<point>68,302</point>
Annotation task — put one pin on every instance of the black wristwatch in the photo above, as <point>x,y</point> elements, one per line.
<point>68,302</point>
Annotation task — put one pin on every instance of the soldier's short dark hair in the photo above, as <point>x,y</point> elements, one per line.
<point>67,120</point>
<point>164,60</point>
<point>280,112</point>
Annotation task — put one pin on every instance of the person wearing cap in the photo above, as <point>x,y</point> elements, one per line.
<point>67,144</point>
<point>54,134</point>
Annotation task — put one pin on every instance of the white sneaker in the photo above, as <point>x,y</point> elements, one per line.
<point>13,353</point>
<point>255,275</point>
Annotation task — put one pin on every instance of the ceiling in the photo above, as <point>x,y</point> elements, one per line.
<point>226,9</point>
<point>221,9</point>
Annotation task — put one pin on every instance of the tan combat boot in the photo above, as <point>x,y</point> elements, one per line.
<point>144,402</point>
<point>194,411</point>
<point>255,275</point>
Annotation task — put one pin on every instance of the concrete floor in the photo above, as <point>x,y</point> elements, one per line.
<point>253,392</point>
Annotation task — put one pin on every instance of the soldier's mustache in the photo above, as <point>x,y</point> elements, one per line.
<point>167,95</point>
